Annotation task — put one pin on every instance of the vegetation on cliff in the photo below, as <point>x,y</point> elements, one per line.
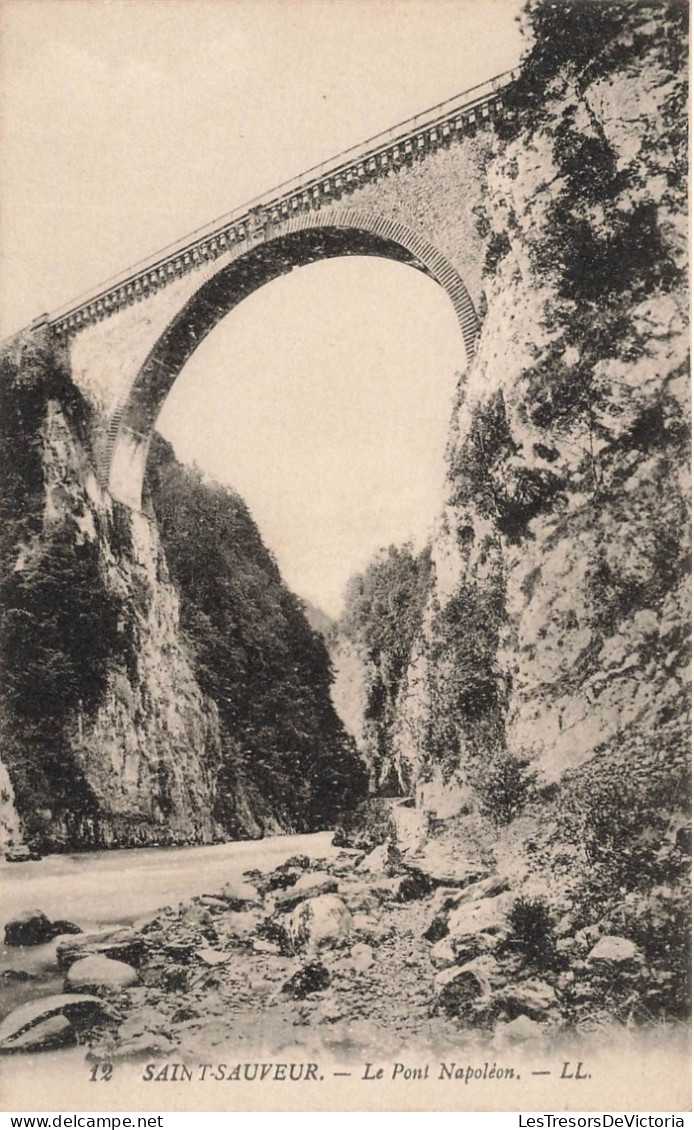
<point>549,686</point>
<point>582,443</point>
<point>381,619</point>
<point>255,654</point>
<point>59,623</point>
<point>96,680</point>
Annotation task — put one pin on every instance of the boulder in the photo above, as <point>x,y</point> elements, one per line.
<point>118,943</point>
<point>211,902</point>
<point>30,928</point>
<point>29,1027</point>
<point>443,869</point>
<point>613,950</point>
<point>239,925</point>
<point>459,951</point>
<point>56,1032</point>
<point>239,895</point>
<point>468,947</point>
<point>413,885</point>
<point>442,954</point>
<point>458,989</point>
<point>318,922</point>
<point>486,915</point>
<point>527,998</point>
<point>310,978</point>
<point>447,899</point>
<point>443,901</point>
<point>471,992</point>
<point>212,957</point>
<point>362,957</point>
<point>383,860</point>
<point>487,888</point>
<point>95,974</point>
<point>20,853</point>
<point>459,948</point>
<point>474,927</point>
<point>309,885</point>
<point>521,1029</point>
<point>62,926</point>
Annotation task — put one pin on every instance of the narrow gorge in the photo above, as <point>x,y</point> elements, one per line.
<point>512,701</point>
<point>161,684</point>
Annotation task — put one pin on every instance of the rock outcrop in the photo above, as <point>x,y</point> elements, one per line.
<point>125,711</point>
<point>542,720</point>
<point>552,646</point>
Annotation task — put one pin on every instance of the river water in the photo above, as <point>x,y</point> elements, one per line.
<point>100,888</point>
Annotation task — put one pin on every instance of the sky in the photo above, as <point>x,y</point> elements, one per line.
<point>125,124</point>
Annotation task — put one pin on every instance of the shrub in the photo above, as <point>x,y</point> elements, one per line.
<point>486,473</point>
<point>532,930</point>
<point>61,630</point>
<point>505,786</point>
<point>497,249</point>
<point>624,826</point>
<point>659,924</point>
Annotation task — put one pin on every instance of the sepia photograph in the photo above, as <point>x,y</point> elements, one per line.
<point>345,570</point>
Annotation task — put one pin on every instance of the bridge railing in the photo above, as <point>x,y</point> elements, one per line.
<point>309,189</point>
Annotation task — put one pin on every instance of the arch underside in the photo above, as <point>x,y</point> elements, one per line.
<point>298,245</point>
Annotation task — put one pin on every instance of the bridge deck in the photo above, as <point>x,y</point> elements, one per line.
<point>327,181</point>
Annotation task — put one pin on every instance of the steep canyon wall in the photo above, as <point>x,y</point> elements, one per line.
<point>125,715</point>
<point>551,658</point>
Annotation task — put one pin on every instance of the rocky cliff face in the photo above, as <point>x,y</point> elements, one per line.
<point>108,739</point>
<point>551,662</point>
<point>111,735</point>
<point>541,727</point>
<point>151,749</point>
<point>372,647</point>
<point>545,664</point>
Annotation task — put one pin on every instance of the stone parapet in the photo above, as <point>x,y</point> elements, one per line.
<point>401,145</point>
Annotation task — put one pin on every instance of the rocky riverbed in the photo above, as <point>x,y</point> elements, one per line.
<point>357,955</point>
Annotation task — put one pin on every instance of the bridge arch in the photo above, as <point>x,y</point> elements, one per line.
<point>298,242</point>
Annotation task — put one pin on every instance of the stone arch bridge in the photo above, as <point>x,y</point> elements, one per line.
<point>408,194</point>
